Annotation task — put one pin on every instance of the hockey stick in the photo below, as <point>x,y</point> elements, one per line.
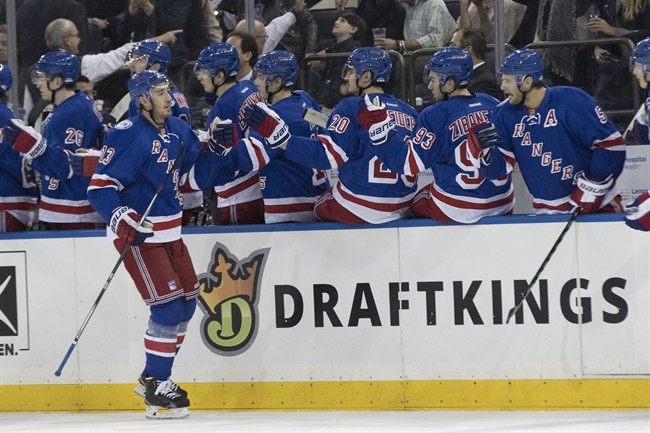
<point>315,117</point>
<point>120,108</point>
<point>57,373</point>
<point>513,311</point>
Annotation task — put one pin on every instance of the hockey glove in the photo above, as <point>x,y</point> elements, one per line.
<point>127,225</point>
<point>24,139</point>
<point>588,195</point>
<point>638,213</point>
<point>222,136</point>
<point>268,124</point>
<point>84,161</point>
<point>481,140</point>
<point>374,118</point>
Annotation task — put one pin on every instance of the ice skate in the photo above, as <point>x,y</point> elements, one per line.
<point>141,388</point>
<point>163,402</point>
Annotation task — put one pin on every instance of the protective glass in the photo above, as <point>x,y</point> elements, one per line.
<point>37,77</point>
<point>347,69</point>
<point>132,58</point>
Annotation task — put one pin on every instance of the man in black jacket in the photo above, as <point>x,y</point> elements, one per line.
<point>483,79</point>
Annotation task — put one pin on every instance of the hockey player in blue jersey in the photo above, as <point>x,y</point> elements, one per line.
<point>239,200</point>
<point>366,191</point>
<point>637,213</point>
<point>289,189</point>
<point>136,158</point>
<point>17,181</point>
<point>569,153</point>
<point>458,191</point>
<point>74,126</point>
<point>156,56</point>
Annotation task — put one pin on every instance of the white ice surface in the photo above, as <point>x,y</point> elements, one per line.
<point>338,422</point>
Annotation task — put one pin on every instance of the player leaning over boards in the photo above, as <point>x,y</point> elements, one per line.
<point>17,181</point>
<point>239,199</point>
<point>73,126</point>
<point>366,191</point>
<point>638,212</point>
<point>458,191</point>
<point>569,152</point>
<point>289,189</point>
<point>137,155</point>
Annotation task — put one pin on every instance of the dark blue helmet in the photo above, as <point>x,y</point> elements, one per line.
<point>59,62</point>
<point>156,52</point>
<point>523,63</point>
<point>6,80</point>
<point>641,55</point>
<point>372,59</point>
<point>450,62</point>
<point>278,63</point>
<point>141,84</point>
<point>216,57</point>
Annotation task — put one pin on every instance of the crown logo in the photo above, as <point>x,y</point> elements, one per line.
<point>229,297</point>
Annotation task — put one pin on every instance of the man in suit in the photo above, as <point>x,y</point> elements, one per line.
<point>483,80</point>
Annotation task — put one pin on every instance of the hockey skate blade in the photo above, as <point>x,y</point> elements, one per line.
<point>140,390</point>
<point>157,412</point>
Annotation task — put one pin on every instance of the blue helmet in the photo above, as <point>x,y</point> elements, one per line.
<point>450,62</point>
<point>372,59</point>
<point>278,63</point>
<point>5,79</point>
<point>141,84</point>
<point>59,62</point>
<point>641,55</point>
<point>156,52</point>
<point>523,63</point>
<point>216,57</point>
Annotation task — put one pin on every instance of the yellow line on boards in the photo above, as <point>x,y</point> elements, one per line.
<point>349,395</point>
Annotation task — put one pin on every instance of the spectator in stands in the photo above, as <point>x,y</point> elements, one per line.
<point>560,20</point>
<point>479,14</point>
<point>149,18</point>
<point>30,28</point>
<point>428,24</point>
<point>4,45</point>
<point>268,37</point>
<point>389,14</point>
<point>348,30</point>
<point>482,79</point>
<point>107,18</point>
<point>525,34</point>
<point>247,49</point>
<point>300,39</point>
<point>625,18</point>
<point>202,27</point>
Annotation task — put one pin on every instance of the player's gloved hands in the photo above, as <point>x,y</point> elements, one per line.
<point>374,118</point>
<point>222,136</point>
<point>481,140</point>
<point>125,223</point>
<point>267,123</point>
<point>588,195</point>
<point>637,213</point>
<point>24,139</point>
<point>84,161</point>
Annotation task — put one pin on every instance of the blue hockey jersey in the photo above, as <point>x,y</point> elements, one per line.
<point>74,124</point>
<point>135,159</point>
<point>244,186</point>
<point>440,143</point>
<point>289,189</point>
<point>566,134</point>
<point>17,181</point>
<point>366,187</point>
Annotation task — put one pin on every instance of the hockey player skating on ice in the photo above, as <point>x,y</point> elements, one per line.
<point>570,154</point>
<point>136,157</point>
<point>73,126</point>
<point>239,199</point>
<point>458,191</point>
<point>17,181</point>
<point>367,191</point>
<point>289,189</point>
